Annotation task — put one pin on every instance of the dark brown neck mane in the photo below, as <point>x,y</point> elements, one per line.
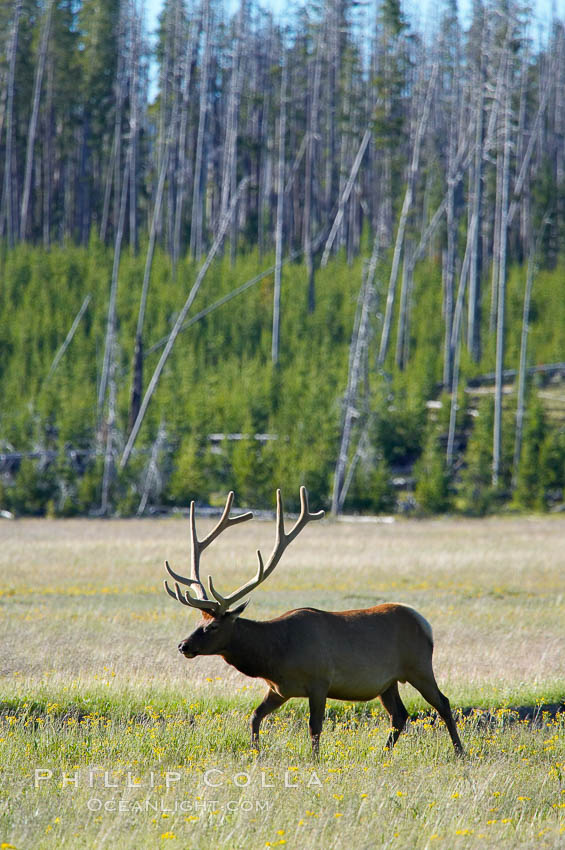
<point>254,647</point>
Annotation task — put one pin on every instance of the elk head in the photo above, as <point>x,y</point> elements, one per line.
<point>213,633</point>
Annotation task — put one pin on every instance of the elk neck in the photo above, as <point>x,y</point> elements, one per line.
<point>253,647</point>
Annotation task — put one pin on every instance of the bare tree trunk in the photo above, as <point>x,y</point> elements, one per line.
<point>69,337</point>
<point>120,97</point>
<point>449,271</point>
<point>261,121</point>
<point>114,165</point>
<point>109,466</point>
<point>239,290</point>
<point>48,158</point>
<point>196,228</point>
<point>153,469</point>
<point>137,367</point>
<point>495,273</point>
<point>7,206</point>
<point>344,159</point>
<point>182,154</point>
<point>345,196</point>
<point>357,350</point>
<point>333,65</point>
<point>455,112</point>
<point>230,139</point>
<point>165,74</point>
<point>3,99</point>
<point>406,205</point>
<point>533,140</point>
<point>499,96</point>
<point>358,353</point>
<point>135,25</point>
<point>173,129</point>
<point>455,341</point>
<point>111,321</point>
<point>475,270</point>
<point>229,179</point>
<point>522,370</point>
<point>40,67</point>
<point>280,214</point>
<point>520,406</point>
<point>406,287</point>
<point>108,190</point>
<point>311,133</point>
<point>497,436</point>
<point>178,325</point>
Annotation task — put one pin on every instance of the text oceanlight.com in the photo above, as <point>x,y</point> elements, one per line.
<point>196,807</point>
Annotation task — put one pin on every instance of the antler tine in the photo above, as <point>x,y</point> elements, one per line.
<point>304,517</point>
<point>179,578</point>
<point>197,546</point>
<point>282,539</point>
<point>226,601</point>
<point>281,542</point>
<point>225,521</point>
<point>201,600</point>
<point>195,549</point>
<point>189,600</point>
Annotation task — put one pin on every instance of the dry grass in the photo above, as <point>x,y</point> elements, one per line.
<point>493,590</point>
<point>90,675</point>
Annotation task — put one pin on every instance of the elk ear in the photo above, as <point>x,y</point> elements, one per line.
<point>207,616</point>
<point>239,610</point>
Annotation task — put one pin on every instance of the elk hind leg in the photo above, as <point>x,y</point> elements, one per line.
<point>317,703</point>
<point>427,686</point>
<point>271,702</point>
<point>397,711</point>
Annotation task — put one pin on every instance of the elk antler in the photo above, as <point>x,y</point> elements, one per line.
<point>281,542</point>
<point>201,600</point>
<point>220,604</point>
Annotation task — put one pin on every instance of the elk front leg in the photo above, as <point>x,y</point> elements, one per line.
<point>271,702</point>
<point>317,709</point>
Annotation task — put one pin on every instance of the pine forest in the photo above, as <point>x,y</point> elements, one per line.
<point>261,249</point>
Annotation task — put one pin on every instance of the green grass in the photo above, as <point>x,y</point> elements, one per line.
<point>198,781</point>
<point>91,680</point>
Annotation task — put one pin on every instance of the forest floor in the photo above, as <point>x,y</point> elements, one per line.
<point>109,738</point>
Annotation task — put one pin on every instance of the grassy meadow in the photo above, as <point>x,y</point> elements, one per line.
<point>109,738</point>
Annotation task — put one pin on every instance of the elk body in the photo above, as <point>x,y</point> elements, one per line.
<point>348,655</point>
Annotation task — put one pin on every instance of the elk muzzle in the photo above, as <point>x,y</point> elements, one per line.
<point>185,650</point>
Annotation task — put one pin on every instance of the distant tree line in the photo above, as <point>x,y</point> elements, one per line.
<point>432,164</point>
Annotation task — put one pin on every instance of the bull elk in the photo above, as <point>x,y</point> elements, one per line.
<point>347,655</point>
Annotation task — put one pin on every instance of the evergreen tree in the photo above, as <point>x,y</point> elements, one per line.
<point>190,480</point>
<point>476,495</point>
<point>432,477</point>
<point>531,480</point>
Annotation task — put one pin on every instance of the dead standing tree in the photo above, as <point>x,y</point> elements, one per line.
<point>501,266</point>
<point>183,174</point>
<point>229,169</point>
<point>39,71</point>
<point>521,402</point>
<point>406,206</point>
<point>112,316</point>
<point>178,325</point>
<point>196,228</point>
<point>279,229</point>
<point>7,206</point>
<point>454,103</point>
<point>358,369</point>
